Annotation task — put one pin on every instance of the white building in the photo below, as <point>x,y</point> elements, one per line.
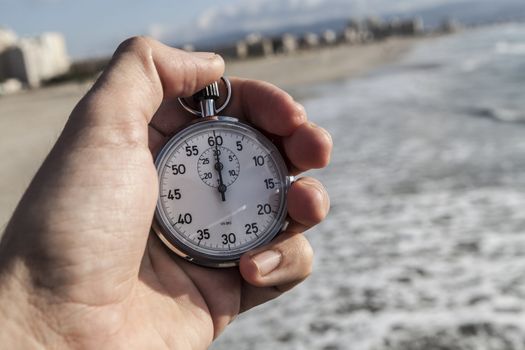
<point>310,40</point>
<point>329,37</point>
<point>7,39</point>
<point>259,46</point>
<point>32,60</point>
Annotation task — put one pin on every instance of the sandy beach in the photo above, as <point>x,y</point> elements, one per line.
<point>31,121</point>
<point>314,67</point>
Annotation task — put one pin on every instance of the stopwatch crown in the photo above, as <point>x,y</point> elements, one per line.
<point>210,92</point>
<point>206,99</point>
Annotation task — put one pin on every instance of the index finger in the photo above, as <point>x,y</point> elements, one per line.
<point>259,103</point>
<point>267,107</point>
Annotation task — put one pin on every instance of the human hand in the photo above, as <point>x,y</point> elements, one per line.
<point>78,267</point>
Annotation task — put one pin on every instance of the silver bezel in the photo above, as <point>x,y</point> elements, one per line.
<point>174,240</point>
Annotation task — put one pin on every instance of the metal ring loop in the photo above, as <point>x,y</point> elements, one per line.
<point>198,113</point>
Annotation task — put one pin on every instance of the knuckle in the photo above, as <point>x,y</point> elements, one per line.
<point>315,202</point>
<point>326,157</point>
<point>323,204</point>
<point>321,142</point>
<point>190,82</point>
<point>137,52</point>
<point>303,257</point>
<point>138,49</point>
<point>308,259</point>
<point>134,44</point>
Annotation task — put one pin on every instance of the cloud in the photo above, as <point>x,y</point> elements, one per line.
<point>159,31</point>
<point>262,15</point>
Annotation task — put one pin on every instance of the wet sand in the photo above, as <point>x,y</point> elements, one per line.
<point>31,121</point>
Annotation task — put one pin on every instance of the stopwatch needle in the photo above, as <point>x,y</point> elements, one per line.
<point>218,166</point>
<point>222,188</point>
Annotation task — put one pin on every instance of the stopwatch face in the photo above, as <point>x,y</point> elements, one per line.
<point>222,191</point>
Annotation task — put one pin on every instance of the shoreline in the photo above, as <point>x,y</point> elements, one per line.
<point>31,121</point>
<point>323,65</point>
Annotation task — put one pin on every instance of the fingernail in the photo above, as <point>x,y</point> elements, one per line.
<point>267,261</point>
<point>203,55</point>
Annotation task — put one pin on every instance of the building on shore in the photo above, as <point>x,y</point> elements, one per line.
<point>285,44</point>
<point>450,25</point>
<point>329,37</point>
<point>356,32</point>
<point>259,46</point>
<point>309,41</point>
<point>408,27</point>
<point>378,29</point>
<point>7,39</point>
<point>350,36</point>
<point>238,50</point>
<point>252,46</point>
<point>413,27</point>
<point>32,60</point>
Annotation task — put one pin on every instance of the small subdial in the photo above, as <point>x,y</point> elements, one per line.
<point>209,168</point>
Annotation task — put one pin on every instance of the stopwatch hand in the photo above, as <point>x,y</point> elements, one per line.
<point>222,188</point>
<point>218,166</point>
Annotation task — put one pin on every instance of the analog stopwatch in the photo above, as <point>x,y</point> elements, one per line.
<point>222,187</point>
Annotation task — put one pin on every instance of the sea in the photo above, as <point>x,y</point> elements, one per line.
<point>424,247</point>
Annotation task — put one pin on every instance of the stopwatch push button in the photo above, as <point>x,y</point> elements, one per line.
<point>209,92</point>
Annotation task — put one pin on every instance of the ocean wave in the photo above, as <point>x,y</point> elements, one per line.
<point>423,66</point>
<point>474,63</point>
<point>508,48</point>
<point>506,115</point>
<point>424,246</point>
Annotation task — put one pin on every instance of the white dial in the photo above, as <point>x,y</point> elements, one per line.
<point>222,191</point>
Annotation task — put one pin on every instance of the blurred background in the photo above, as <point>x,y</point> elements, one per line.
<point>424,247</point>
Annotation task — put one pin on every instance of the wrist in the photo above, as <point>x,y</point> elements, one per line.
<point>24,326</point>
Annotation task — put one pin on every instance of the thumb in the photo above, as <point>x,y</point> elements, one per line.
<point>89,207</point>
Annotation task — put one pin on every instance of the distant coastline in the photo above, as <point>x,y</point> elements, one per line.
<point>324,65</point>
<point>356,33</point>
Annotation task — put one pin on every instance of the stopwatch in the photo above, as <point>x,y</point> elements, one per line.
<point>222,186</point>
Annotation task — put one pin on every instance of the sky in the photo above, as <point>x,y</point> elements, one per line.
<point>94,28</point>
